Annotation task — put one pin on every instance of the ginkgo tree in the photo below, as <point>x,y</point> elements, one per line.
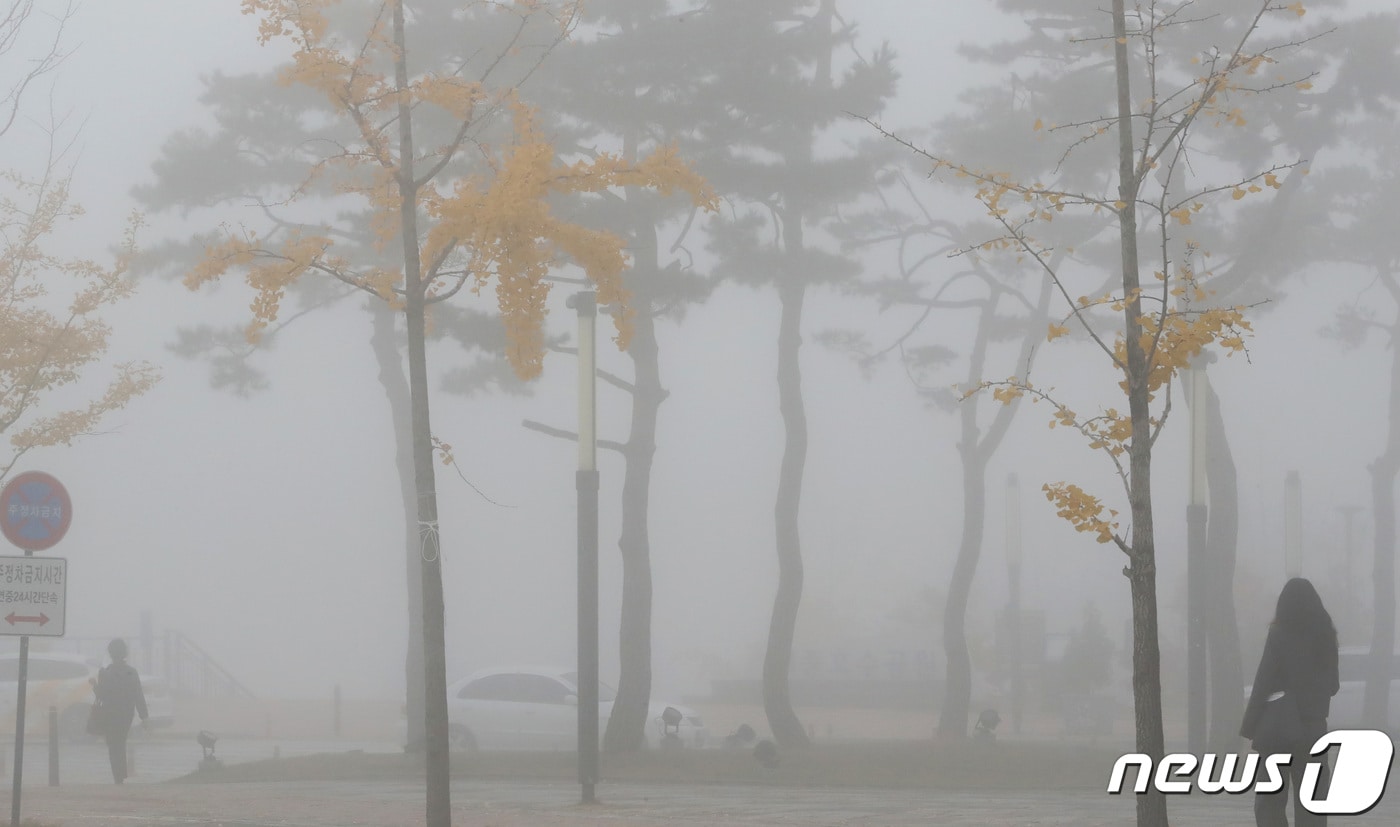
<point>1147,330</point>
<point>52,334</point>
<point>766,152</point>
<point>264,136</point>
<point>457,225</point>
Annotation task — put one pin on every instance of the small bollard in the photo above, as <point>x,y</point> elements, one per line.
<point>53,746</point>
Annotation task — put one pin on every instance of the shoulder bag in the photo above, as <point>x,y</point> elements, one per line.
<point>95,719</point>
<point>96,725</point>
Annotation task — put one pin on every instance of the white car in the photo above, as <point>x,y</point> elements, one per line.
<point>52,679</point>
<point>536,708</point>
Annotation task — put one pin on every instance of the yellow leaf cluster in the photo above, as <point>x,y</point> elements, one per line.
<point>51,329</point>
<point>504,225</point>
<point>303,20</point>
<point>456,95</point>
<point>1110,431</point>
<point>444,449</point>
<point>1008,392</point>
<point>269,271</point>
<point>1183,335</point>
<point>1083,510</point>
<point>493,225</point>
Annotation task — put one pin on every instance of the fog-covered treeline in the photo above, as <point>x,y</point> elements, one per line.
<point>948,232</point>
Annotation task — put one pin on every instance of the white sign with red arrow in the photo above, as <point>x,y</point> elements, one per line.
<point>33,595</point>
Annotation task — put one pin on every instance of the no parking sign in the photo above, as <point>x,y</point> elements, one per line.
<point>35,511</point>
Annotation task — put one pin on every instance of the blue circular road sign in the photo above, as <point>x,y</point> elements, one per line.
<point>35,511</point>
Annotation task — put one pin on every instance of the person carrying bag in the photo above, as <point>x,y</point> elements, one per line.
<point>1291,697</point>
<point>119,700</point>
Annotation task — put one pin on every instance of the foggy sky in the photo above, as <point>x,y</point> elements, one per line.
<point>269,529</point>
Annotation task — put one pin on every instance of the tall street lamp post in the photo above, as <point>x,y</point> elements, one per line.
<point>586,483</point>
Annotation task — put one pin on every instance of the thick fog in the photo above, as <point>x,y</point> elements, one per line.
<point>269,529</point>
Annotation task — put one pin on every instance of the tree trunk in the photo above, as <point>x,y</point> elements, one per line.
<point>957,688</point>
<point>1375,710</point>
<point>627,726</point>
<point>1221,625</point>
<point>976,451</point>
<point>1142,565</point>
<point>391,375</point>
<point>777,700</point>
<point>626,730</point>
<point>438,792</point>
<point>955,710</point>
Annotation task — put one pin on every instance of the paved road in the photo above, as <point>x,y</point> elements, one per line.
<point>87,799</point>
<point>400,804</point>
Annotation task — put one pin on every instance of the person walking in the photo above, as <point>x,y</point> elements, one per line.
<point>119,700</point>
<point>1300,659</point>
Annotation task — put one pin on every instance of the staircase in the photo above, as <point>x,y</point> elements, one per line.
<point>188,669</point>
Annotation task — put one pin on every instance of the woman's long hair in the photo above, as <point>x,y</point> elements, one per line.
<point>1301,613</point>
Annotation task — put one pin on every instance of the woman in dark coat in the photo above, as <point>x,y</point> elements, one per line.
<point>120,698</point>
<point>1300,659</point>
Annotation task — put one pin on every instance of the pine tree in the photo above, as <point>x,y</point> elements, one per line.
<point>783,90</point>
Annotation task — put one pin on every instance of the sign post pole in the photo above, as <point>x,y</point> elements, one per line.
<point>19,730</point>
<point>35,513</point>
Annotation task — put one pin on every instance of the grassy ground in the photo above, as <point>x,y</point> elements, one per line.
<point>891,764</point>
